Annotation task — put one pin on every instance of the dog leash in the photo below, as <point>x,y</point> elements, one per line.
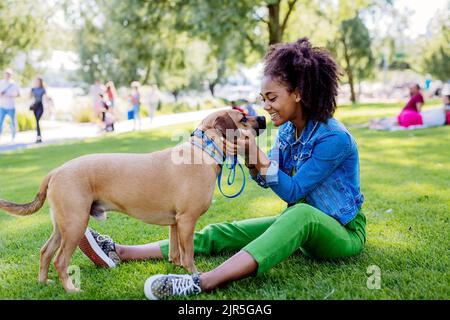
<point>230,163</point>
<point>231,176</point>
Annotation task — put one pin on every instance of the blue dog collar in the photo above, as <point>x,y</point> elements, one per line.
<point>211,148</point>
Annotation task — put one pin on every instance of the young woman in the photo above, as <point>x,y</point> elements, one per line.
<point>135,99</point>
<point>313,166</point>
<point>9,91</point>
<point>38,92</point>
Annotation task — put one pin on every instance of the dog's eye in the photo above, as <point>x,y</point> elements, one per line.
<point>244,119</point>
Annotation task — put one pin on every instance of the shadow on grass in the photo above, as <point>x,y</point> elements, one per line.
<point>405,230</point>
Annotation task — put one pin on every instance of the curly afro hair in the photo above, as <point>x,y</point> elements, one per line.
<point>311,70</point>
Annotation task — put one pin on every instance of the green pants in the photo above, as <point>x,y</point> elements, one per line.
<point>270,240</point>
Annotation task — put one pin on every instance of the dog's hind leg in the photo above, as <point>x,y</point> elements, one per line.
<point>47,253</point>
<point>185,230</point>
<point>174,252</point>
<point>71,234</point>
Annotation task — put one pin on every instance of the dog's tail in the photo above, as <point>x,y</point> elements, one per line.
<point>27,208</point>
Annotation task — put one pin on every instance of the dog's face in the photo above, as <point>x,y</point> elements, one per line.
<point>228,123</point>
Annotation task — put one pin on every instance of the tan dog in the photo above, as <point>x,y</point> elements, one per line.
<point>150,187</point>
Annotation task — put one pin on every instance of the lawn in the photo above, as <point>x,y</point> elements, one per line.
<point>405,177</point>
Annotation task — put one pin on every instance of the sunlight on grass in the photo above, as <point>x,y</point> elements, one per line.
<point>405,178</point>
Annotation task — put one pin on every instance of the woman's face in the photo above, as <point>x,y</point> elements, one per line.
<point>281,104</point>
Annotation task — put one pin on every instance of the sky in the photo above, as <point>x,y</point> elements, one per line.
<point>423,11</point>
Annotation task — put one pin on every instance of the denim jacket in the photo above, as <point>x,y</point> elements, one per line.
<point>326,163</point>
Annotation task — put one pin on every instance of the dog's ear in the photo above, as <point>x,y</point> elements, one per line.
<point>224,123</point>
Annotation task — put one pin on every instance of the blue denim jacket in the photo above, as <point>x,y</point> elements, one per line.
<point>326,163</point>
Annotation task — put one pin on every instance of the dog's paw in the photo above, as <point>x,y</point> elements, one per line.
<point>47,282</point>
<point>191,269</point>
<point>74,290</point>
<point>175,261</point>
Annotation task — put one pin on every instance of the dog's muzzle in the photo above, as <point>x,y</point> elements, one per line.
<point>261,120</point>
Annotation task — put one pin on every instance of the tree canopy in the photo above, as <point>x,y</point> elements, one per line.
<point>185,45</point>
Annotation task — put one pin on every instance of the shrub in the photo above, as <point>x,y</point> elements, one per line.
<point>143,111</point>
<point>25,121</point>
<point>85,115</point>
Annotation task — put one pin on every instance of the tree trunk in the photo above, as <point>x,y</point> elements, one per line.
<point>175,94</point>
<point>276,27</point>
<point>274,23</point>
<point>211,86</point>
<point>220,73</point>
<point>147,74</point>
<point>349,71</point>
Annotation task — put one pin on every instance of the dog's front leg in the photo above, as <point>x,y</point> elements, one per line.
<point>185,230</point>
<point>174,252</point>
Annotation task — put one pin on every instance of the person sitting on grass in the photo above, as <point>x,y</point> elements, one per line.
<point>313,166</point>
<point>446,101</point>
<point>410,114</point>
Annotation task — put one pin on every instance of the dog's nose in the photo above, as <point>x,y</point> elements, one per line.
<point>261,122</point>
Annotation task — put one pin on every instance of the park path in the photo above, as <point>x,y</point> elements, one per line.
<point>54,132</point>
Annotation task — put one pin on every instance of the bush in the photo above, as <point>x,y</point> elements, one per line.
<point>25,121</point>
<point>85,115</point>
<point>143,111</point>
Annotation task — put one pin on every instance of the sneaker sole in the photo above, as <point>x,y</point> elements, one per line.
<point>91,249</point>
<point>148,287</point>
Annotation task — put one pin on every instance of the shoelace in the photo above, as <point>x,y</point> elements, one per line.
<point>103,238</point>
<point>183,285</point>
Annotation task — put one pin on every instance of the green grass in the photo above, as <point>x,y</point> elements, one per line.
<point>404,177</point>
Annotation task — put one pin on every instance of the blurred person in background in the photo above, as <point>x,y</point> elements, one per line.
<point>410,114</point>
<point>38,92</point>
<point>249,108</point>
<point>446,101</point>
<point>96,92</point>
<point>9,90</point>
<point>234,106</point>
<point>135,99</point>
<point>111,94</point>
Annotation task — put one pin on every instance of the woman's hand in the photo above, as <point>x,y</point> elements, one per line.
<point>244,145</point>
<point>255,159</point>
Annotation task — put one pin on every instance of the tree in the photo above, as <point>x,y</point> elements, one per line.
<point>353,49</point>
<point>237,32</point>
<point>436,51</point>
<point>276,24</point>
<point>260,22</point>
<point>22,26</point>
<point>126,41</point>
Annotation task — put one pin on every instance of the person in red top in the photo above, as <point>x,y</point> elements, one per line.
<point>416,101</point>
<point>410,114</point>
<point>111,93</point>
<point>236,107</point>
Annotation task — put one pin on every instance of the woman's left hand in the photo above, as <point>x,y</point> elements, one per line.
<point>243,145</point>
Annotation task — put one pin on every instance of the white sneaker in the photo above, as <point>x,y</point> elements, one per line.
<point>101,249</point>
<point>162,286</point>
